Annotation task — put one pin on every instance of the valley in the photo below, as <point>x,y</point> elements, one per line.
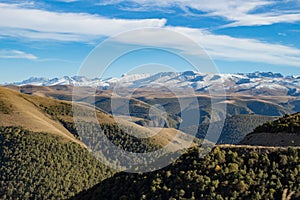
<point>35,120</point>
<point>149,100</point>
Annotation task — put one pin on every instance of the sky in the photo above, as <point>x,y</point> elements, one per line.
<point>54,38</point>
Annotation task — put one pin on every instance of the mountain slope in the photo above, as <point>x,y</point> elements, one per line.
<point>41,153</point>
<point>36,165</point>
<point>284,131</point>
<point>40,114</point>
<point>236,127</point>
<point>258,83</point>
<point>39,157</point>
<point>226,173</point>
<point>25,112</point>
<point>243,113</point>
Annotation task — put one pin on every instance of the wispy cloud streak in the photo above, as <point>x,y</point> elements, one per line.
<point>40,24</point>
<point>236,12</point>
<point>16,54</point>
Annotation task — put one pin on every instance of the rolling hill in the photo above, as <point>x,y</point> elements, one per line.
<point>24,111</point>
<point>39,165</point>
<point>40,157</point>
<point>243,113</point>
<point>142,99</point>
<point>235,128</point>
<point>284,131</point>
<point>226,173</point>
<point>42,114</point>
<point>43,156</point>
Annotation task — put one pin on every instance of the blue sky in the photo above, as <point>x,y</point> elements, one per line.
<point>52,38</point>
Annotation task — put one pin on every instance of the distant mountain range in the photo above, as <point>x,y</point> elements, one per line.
<point>257,83</point>
<point>41,147</point>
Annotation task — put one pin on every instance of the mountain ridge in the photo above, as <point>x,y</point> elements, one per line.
<point>256,83</point>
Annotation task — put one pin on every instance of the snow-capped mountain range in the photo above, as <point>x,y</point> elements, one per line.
<point>265,83</point>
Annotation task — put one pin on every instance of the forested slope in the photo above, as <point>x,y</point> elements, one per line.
<point>43,166</point>
<point>226,173</point>
<point>284,131</point>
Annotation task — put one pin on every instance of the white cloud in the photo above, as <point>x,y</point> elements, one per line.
<point>67,1</point>
<point>263,19</point>
<point>16,54</point>
<point>38,35</point>
<point>220,47</point>
<point>40,24</point>
<point>237,12</point>
<point>37,24</point>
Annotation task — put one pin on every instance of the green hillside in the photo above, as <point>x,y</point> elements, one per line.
<point>226,173</point>
<point>234,128</point>
<point>286,124</point>
<point>284,131</point>
<point>42,156</point>
<point>43,166</point>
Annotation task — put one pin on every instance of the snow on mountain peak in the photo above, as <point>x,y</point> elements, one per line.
<point>250,83</point>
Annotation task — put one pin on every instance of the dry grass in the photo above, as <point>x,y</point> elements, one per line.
<point>27,115</point>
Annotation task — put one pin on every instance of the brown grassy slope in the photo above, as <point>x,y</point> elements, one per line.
<point>24,112</point>
<point>32,113</point>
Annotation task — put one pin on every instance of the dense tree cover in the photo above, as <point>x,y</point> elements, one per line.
<point>125,140</point>
<point>263,108</point>
<point>286,124</point>
<point>60,109</point>
<point>237,127</point>
<point>93,133</point>
<point>234,129</point>
<point>43,166</point>
<point>226,173</point>
<point>98,137</point>
<point>122,137</point>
